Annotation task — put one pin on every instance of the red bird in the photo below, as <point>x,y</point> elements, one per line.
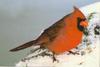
<point>62,36</point>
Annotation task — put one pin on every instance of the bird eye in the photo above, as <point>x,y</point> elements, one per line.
<point>84,19</point>
<point>81,19</point>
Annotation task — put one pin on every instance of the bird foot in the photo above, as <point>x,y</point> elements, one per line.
<point>50,55</point>
<point>74,53</point>
<point>54,59</point>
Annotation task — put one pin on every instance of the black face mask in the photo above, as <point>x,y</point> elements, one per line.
<point>81,28</point>
<point>79,20</point>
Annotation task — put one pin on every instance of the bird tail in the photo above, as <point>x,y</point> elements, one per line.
<point>28,44</point>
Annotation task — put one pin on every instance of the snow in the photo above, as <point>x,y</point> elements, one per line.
<point>89,54</point>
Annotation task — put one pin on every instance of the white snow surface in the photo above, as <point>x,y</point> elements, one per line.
<point>91,58</point>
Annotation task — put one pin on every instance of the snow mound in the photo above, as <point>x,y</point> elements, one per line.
<point>88,50</point>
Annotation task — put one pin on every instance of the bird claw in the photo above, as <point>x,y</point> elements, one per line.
<point>74,53</point>
<point>55,60</point>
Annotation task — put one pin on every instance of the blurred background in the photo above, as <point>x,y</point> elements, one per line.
<point>23,20</point>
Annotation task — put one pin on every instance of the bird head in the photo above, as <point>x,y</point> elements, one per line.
<point>79,17</point>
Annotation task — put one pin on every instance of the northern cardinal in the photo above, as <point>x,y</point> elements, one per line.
<point>62,36</point>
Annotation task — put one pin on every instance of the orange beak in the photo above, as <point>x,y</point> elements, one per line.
<point>84,24</point>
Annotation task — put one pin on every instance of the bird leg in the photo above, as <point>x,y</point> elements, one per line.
<point>54,58</point>
<point>46,53</point>
<point>50,55</point>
